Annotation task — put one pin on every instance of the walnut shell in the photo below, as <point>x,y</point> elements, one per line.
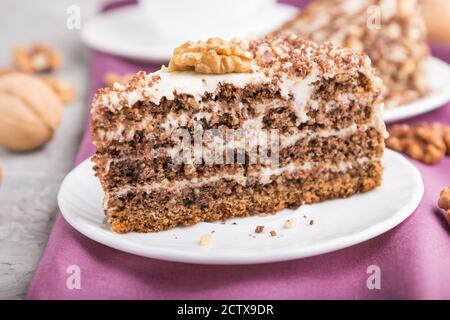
<point>29,112</point>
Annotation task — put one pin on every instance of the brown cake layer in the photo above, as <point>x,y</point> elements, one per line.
<point>332,150</point>
<point>161,211</point>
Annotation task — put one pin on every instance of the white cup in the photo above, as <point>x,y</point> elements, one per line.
<point>182,20</point>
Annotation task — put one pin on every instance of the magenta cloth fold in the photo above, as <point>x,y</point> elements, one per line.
<point>414,257</point>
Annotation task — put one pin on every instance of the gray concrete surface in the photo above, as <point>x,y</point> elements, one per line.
<point>31,180</point>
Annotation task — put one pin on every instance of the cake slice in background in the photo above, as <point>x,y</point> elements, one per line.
<point>317,107</point>
<point>391,32</point>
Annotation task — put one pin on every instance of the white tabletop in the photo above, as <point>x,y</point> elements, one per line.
<point>31,180</point>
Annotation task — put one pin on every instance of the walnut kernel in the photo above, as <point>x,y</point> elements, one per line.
<point>62,88</point>
<point>39,58</point>
<point>444,201</point>
<point>427,143</point>
<point>213,56</point>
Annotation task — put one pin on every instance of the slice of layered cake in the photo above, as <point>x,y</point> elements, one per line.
<point>232,129</point>
<point>391,32</point>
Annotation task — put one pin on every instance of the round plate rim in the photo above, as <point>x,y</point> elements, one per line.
<point>424,105</point>
<point>158,53</point>
<point>127,245</point>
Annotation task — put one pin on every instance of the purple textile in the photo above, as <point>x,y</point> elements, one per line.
<point>414,257</point>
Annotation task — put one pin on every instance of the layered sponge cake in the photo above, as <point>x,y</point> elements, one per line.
<point>391,32</point>
<point>233,129</point>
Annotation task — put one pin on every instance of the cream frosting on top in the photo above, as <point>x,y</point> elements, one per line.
<point>288,63</point>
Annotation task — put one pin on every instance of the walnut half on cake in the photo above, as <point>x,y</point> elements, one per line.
<point>236,129</point>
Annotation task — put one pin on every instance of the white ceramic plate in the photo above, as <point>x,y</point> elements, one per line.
<point>127,32</point>
<point>438,73</point>
<point>337,224</point>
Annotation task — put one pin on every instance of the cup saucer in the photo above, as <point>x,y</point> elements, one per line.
<point>127,32</point>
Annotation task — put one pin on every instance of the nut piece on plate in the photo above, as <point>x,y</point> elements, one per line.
<point>423,142</point>
<point>213,56</point>
<point>39,58</point>
<point>289,224</point>
<point>111,77</point>
<point>444,201</point>
<point>62,88</point>
<point>205,240</point>
<point>29,112</point>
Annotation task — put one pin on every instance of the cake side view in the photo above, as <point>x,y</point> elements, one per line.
<point>391,32</point>
<point>232,129</point>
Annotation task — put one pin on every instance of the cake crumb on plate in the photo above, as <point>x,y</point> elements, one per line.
<point>259,229</point>
<point>205,240</point>
<point>289,224</point>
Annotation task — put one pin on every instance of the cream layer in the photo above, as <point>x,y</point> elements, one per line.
<point>174,121</point>
<point>168,84</point>
<point>286,141</point>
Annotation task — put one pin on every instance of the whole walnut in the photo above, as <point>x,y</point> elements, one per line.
<point>29,112</point>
